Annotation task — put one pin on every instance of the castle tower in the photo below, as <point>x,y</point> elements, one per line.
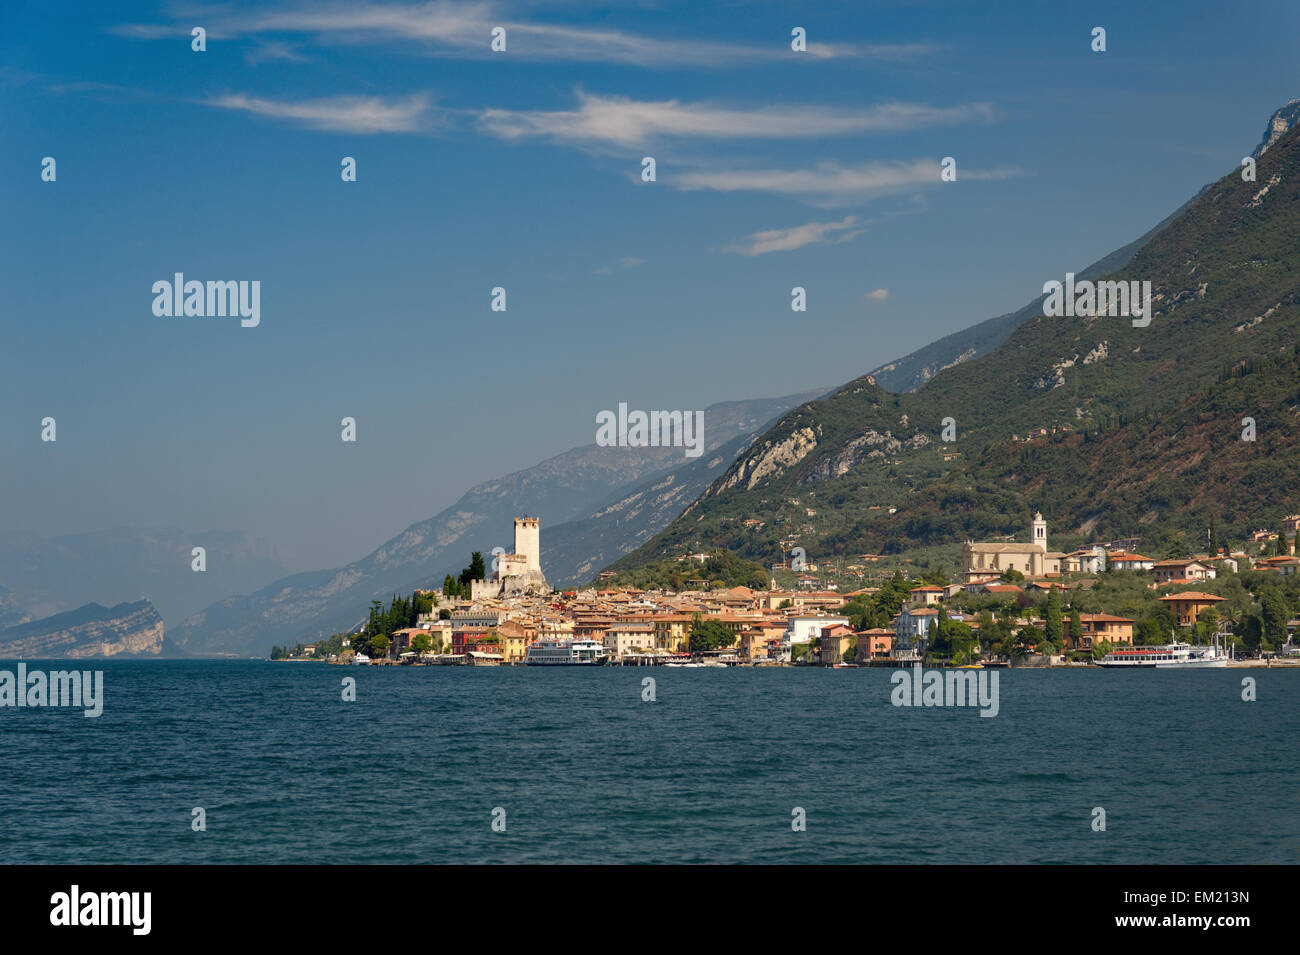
<point>1038,531</point>
<point>527,542</point>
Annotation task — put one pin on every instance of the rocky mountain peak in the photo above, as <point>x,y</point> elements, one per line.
<point>1282,120</point>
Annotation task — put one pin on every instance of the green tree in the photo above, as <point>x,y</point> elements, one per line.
<point>1273,615</point>
<point>1052,629</point>
<point>1149,632</point>
<point>422,643</point>
<point>1025,638</point>
<point>891,597</point>
<point>379,645</point>
<point>1076,626</point>
<point>951,638</point>
<point>709,635</point>
<point>1206,626</point>
<point>1251,632</point>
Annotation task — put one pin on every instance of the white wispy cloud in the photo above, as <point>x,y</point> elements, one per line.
<point>274,50</point>
<point>878,295</point>
<point>830,182</point>
<point>349,114</point>
<point>619,120</point>
<point>463,28</point>
<point>627,262</point>
<point>796,237</point>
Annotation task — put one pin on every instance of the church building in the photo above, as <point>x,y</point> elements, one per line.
<point>983,562</point>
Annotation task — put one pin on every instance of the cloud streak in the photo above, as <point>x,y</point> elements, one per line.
<point>785,240</point>
<point>348,114</point>
<point>621,121</point>
<point>463,29</point>
<point>830,182</point>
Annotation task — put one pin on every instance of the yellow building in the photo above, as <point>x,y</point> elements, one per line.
<point>1189,605</point>
<point>1033,559</point>
<point>672,631</point>
<point>835,641</point>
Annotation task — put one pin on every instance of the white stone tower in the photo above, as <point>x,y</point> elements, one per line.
<point>527,542</point>
<point>1038,531</point>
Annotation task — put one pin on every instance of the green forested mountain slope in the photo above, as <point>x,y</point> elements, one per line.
<point>1144,424</point>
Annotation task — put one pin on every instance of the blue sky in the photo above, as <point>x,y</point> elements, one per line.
<point>521,169</point>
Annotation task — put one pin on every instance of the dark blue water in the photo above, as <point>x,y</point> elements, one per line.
<point>587,772</point>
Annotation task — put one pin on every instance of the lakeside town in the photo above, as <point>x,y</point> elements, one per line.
<point>1013,604</point>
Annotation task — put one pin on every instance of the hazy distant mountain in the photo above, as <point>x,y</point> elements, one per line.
<point>10,613</point>
<point>129,629</point>
<point>1135,430</point>
<point>564,488</point>
<point>577,550</point>
<point>50,575</point>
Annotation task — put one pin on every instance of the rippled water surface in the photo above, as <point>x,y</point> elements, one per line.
<point>710,772</point>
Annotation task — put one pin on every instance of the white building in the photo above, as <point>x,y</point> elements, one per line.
<point>913,624</point>
<point>622,639</point>
<point>809,628</point>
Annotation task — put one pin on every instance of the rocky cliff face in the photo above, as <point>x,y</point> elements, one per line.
<point>129,629</point>
<point>1278,124</point>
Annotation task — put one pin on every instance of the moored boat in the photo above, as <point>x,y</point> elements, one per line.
<point>1171,656</point>
<point>566,653</point>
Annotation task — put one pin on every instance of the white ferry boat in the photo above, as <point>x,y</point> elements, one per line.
<point>566,653</point>
<point>1172,656</point>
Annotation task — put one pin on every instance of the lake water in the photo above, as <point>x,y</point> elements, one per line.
<point>586,771</point>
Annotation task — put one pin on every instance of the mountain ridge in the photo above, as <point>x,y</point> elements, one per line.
<point>127,629</point>
<point>560,490</point>
<point>1225,287</point>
